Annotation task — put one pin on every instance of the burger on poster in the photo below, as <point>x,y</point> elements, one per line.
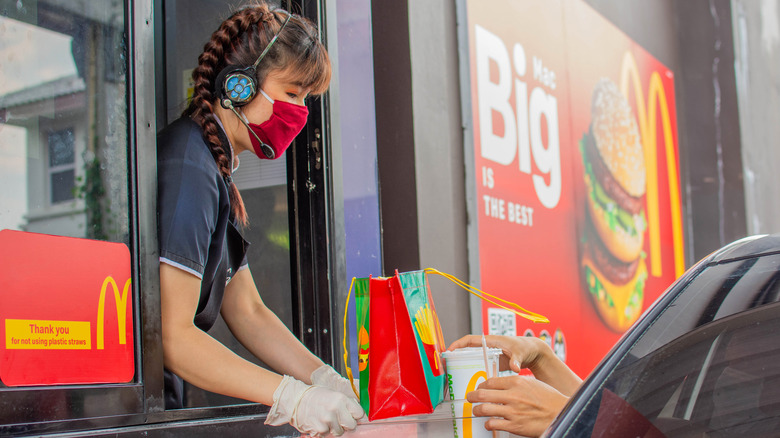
<point>613,266</point>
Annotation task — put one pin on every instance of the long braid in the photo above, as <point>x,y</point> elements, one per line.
<point>200,109</point>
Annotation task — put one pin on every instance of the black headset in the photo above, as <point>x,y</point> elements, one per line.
<point>237,85</point>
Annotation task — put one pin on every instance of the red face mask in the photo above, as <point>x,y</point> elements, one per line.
<point>271,138</point>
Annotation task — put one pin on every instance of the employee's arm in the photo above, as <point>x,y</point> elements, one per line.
<point>262,332</point>
<point>198,358</point>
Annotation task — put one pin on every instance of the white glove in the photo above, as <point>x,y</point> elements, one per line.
<point>328,377</point>
<point>314,410</point>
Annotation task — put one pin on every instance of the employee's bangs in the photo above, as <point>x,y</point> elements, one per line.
<point>310,69</point>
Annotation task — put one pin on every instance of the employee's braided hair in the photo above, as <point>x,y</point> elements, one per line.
<point>238,41</point>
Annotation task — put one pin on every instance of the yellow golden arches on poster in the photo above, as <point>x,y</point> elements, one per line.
<point>647,123</point>
<point>656,89</point>
<point>121,310</point>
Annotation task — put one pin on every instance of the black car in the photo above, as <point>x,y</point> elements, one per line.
<point>704,360</point>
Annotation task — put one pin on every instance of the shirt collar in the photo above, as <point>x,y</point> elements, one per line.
<point>235,162</point>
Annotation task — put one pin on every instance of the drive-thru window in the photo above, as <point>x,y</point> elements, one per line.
<point>86,87</point>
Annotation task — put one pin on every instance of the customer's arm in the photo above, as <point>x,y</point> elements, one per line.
<point>522,405</point>
<point>526,352</point>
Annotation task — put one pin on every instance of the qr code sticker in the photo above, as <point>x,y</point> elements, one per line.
<point>501,322</point>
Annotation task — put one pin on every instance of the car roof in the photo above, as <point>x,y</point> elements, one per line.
<point>752,246</point>
<point>748,247</point>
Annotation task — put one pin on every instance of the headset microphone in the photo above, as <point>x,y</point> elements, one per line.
<point>268,151</point>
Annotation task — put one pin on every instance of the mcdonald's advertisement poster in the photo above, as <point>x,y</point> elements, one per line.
<point>576,172</point>
<point>65,311</point>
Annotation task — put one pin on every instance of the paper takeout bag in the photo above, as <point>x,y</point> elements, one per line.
<point>401,371</point>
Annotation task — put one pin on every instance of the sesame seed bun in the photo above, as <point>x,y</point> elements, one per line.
<point>617,137</point>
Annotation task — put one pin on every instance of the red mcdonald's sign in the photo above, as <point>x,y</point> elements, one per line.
<point>577,204</point>
<point>57,323</point>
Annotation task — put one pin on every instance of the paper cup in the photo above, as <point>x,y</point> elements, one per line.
<point>465,371</point>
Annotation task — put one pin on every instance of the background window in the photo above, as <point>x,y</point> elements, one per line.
<point>61,166</point>
<point>64,192</point>
<point>63,131</point>
<point>357,130</point>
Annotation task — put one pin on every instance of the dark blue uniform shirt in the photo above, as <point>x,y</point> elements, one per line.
<point>196,230</point>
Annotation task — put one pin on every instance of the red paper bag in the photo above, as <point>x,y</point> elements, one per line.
<point>394,392</point>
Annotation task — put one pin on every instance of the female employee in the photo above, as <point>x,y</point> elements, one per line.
<point>522,405</point>
<point>249,90</point>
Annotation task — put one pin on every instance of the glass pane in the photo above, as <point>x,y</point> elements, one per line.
<point>61,147</point>
<point>358,136</point>
<point>63,101</point>
<point>66,299</point>
<point>358,146</point>
<point>62,186</point>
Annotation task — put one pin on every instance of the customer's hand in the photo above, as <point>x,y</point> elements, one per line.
<point>314,410</point>
<point>521,405</point>
<point>519,351</point>
<point>526,352</point>
<point>328,377</point>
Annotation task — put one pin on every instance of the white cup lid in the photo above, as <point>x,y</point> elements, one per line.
<point>470,353</point>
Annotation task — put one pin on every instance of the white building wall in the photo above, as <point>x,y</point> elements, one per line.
<point>757,65</point>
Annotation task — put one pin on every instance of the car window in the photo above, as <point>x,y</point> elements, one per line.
<point>709,366</point>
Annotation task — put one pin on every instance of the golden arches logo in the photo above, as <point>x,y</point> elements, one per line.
<point>121,310</point>
<point>467,426</point>
<point>656,102</point>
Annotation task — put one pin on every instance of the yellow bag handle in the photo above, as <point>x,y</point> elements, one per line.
<point>344,342</point>
<point>508,305</point>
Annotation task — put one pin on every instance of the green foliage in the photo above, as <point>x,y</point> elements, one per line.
<point>91,189</point>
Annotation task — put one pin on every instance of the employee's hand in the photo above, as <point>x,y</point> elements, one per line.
<point>519,351</point>
<point>521,405</point>
<point>328,377</point>
<point>314,410</point>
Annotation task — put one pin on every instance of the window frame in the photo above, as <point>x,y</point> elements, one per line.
<point>142,407</point>
<point>24,410</point>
